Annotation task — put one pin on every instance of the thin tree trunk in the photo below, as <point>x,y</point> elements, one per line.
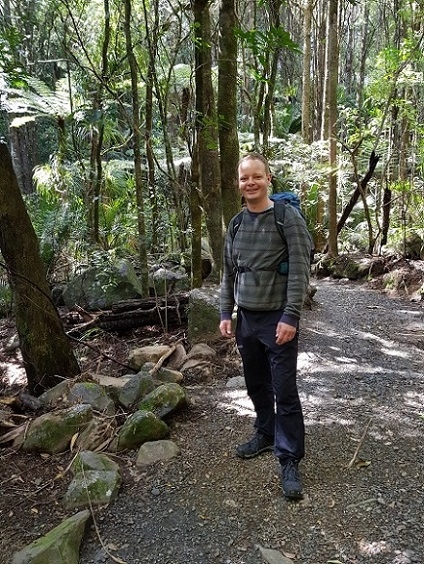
<point>207,134</point>
<point>151,40</point>
<point>306,79</point>
<point>137,137</point>
<point>46,351</point>
<point>227,109</point>
<point>331,90</point>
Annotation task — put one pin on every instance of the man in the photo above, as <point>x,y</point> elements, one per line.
<point>268,310</point>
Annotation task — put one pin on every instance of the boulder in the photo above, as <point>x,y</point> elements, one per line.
<point>138,357</point>
<point>92,487</point>
<point>136,388</point>
<point>164,400</point>
<point>141,427</point>
<point>99,287</point>
<point>93,394</point>
<point>165,281</point>
<point>61,545</point>
<point>52,432</point>
<point>204,315</point>
<point>152,452</point>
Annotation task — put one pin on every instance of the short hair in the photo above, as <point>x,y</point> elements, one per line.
<point>256,157</point>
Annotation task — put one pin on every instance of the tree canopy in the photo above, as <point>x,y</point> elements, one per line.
<point>126,120</point>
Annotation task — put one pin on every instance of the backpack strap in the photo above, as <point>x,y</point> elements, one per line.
<point>279,215</point>
<point>236,224</point>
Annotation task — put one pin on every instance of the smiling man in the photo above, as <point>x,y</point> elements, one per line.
<point>267,277</point>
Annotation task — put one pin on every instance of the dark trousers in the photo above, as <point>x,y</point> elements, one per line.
<point>270,374</point>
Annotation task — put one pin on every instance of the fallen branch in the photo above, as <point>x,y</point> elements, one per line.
<point>364,434</point>
<point>162,359</point>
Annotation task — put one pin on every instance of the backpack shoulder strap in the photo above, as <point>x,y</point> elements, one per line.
<point>279,215</point>
<point>235,223</point>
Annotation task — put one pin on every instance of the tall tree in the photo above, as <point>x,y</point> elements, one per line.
<point>46,350</point>
<point>137,142</point>
<point>306,77</point>
<point>227,109</point>
<point>207,132</point>
<point>331,120</point>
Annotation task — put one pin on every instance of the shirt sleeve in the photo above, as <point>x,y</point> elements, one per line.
<point>298,243</point>
<point>227,281</point>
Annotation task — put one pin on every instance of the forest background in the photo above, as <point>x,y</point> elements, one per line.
<point>126,120</point>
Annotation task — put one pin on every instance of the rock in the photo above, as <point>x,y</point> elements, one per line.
<point>204,315</point>
<point>201,350</point>
<point>99,287</point>
<point>164,400</point>
<point>273,556</point>
<point>52,432</point>
<point>61,545</point>
<point>93,394</point>
<point>56,395</point>
<point>154,451</point>
<point>176,360</point>
<point>167,376</point>
<point>136,388</point>
<point>141,427</point>
<point>138,357</point>
<point>95,487</point>
<point>113,386</point>
<point>165,281</point>
<point>87,460</point>
<point>236,383</point>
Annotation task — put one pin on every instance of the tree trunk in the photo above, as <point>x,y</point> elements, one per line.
<point>152,42</point>
<point>23,145</point>
<point>306,79</point>
<point>331,91</point>
<point>207,133</point>
<point>267,124</point>
<point>227,109</point>
<point>356,194</point>
<point>46,351</point>
<point>137,137</point>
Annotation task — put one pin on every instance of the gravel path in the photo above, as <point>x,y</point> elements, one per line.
<point>361,382</point>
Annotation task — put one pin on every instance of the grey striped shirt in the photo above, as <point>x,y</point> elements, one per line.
<point>251,260</point>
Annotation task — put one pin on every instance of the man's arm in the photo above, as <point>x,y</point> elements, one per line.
<point>299,256</point>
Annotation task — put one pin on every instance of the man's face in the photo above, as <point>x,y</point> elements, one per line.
<point>253,181</point>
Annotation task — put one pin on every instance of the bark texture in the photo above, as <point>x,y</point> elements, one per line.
<point>46,350</point>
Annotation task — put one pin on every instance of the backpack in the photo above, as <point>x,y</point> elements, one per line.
<point>280,199</point>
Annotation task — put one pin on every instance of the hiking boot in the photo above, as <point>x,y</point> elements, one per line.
<point>290,479</point>
<point>257,445</point>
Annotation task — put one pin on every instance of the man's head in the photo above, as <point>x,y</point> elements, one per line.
<point>254,178</point>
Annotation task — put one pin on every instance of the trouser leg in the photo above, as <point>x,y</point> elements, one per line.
<point>257,373</point>
<point>270,373</point>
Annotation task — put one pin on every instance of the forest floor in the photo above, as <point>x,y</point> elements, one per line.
<point>362,386</point>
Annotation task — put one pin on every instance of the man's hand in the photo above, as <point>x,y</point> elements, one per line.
<point>284,333</point>
<point>225,328</point>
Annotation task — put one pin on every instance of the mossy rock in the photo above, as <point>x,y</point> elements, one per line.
<point>165,399</point>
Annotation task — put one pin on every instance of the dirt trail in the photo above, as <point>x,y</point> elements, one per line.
<point>362,385</point>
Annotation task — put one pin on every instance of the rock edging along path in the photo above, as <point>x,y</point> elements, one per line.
<point>361,383</point>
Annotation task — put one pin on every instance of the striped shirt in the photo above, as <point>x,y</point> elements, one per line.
<point>251,261</point>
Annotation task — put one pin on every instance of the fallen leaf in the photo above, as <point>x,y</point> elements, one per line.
<point>73,441</point>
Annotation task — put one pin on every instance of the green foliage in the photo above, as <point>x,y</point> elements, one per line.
<point>12,72</point>
<point>37,99</point>
<point>262,43</point>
